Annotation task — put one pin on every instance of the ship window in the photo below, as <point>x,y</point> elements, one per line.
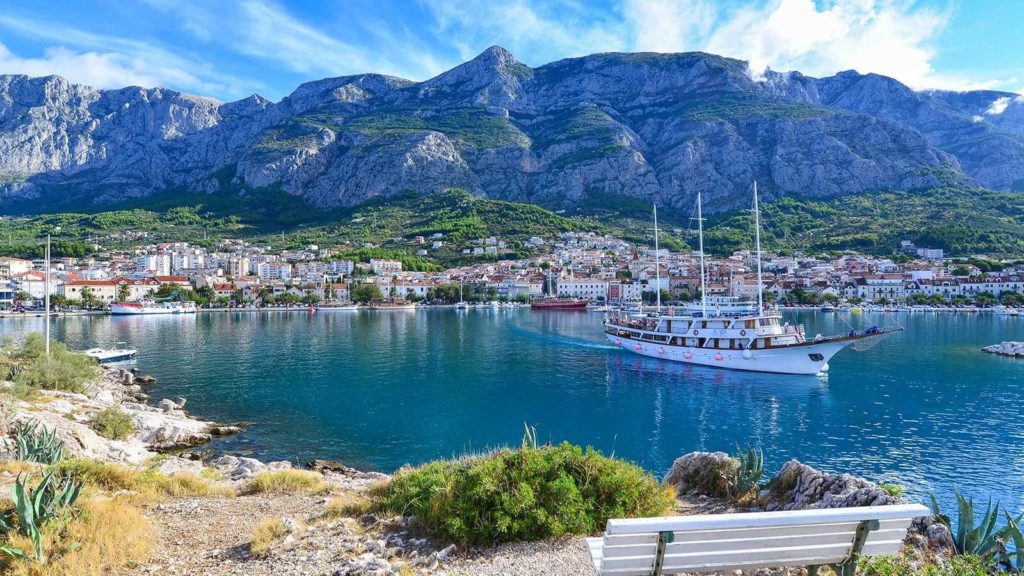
<point>816,357</point>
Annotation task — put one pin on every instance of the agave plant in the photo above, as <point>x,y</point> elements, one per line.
<point>36,443</point>
<point>981,538</point>
<point>530,437</point>
<point>1012,562</point>
<point>748,475</point>
<point>33,507</point>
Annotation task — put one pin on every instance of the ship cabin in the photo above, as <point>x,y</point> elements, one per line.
<point>718,332</point>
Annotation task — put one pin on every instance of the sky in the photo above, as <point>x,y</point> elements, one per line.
<point>229,49</point>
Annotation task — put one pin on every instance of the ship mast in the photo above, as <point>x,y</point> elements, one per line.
<point>657,260</point>
<point>703,286</point>
<point>757,241</point>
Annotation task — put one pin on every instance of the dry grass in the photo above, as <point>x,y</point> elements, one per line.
<point>348,505</point>
<point>18,466</point>
<point>184,485</point>
<point>267,533</point>
<point>147,487</point>
<point>111,534</point>
<point>287,482</point>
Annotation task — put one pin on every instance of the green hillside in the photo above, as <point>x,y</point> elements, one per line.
<point>962,222</point>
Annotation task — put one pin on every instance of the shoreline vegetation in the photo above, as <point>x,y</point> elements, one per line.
<point>104,480</point>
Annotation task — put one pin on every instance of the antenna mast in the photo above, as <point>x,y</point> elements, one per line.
<point>703,285</point>
<point>757,240</point>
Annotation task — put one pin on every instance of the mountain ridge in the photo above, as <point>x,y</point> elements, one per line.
<point>643,125</point>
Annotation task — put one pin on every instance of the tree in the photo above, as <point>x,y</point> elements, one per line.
<point>124,291</point>
<point>207,293</point>
<point>89,300</point>
<point>961,271</point>
<point>310,299</point>
<point>238,296</point>
<point>22,296</point>
<point>363,293</point>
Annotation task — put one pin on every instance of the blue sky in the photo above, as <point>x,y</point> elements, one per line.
<point>229,49</point>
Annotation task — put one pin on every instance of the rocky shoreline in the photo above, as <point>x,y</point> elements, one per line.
<point>213,534</point>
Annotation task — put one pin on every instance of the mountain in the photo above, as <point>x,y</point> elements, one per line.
<point>580,130</point>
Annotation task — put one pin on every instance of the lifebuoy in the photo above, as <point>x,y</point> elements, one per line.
<point>687,355</point>
<point>638,347</point>
<point>661,350</point>
<point>695,332</point>
<point>743,332</point>
<point>618,342</point>
<point>719,357</point>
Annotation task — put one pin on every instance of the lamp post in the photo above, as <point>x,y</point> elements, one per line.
<point>46,290</point>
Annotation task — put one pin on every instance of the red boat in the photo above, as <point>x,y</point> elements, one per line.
<point>558,304</point>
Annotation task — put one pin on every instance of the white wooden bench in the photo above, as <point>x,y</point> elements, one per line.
<point>726,542</point>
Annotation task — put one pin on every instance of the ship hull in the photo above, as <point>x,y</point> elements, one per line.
<point>118,309</point>
<point>559,306</point>
<point>800,359</point>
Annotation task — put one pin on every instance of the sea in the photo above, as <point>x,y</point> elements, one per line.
<point>377,390</point>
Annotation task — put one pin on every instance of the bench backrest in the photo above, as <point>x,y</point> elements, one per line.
<point>725,542</point>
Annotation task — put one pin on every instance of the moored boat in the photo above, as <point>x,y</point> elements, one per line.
<point>107,355</point>
<point>149,307</point>
<point>558,304</point>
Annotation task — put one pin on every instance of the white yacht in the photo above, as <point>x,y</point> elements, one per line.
<point>108,355</point>
<point>730,333</point>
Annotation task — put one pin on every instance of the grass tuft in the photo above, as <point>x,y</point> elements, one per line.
<point>287,482</point>
<point>267,533</point>
<point>346,506</point>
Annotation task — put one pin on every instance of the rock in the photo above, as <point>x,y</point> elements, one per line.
<point>176,465</point>
<point>702,473</point>
<point>798,486</point>
<point>939,536</point>
<point>329,466</point>
<point>105,397</point>
<point>167,405</point>
<point>224,430</point>
<point>180,401</point>
<point>446,553</point>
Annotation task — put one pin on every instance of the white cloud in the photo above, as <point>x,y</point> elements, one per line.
<point>112,62</point>
<point>998,106</point>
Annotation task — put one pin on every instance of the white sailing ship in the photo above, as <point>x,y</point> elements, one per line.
<point>149,307</point>
<point>729,333</point>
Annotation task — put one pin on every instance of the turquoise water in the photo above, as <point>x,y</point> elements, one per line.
<point>924,408</point>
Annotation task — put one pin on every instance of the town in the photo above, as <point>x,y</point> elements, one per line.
<point>585,266</point>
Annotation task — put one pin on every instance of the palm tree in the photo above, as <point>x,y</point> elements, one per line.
<point>123,292</point>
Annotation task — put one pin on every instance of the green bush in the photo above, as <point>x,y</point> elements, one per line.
<point>37,443</point>
<point>902,565</point>
<point>525,494</point>
<point>113,423</point>
<point>62,370</point>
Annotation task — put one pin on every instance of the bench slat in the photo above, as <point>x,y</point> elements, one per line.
<point>795,530</point>
<point>764,542</point>
<point>824,554</point>
<point>765,519</point>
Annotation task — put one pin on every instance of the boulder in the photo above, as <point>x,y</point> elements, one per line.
<point>167,405</point>
<point>799,486</point>
<point>175,465</point>
<point>702,473</point>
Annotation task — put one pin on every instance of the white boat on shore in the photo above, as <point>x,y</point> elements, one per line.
<point>730,333</point>
<point>108,355</point>
<point>149,307</point>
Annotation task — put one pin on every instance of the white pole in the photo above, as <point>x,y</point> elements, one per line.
<point>657,260</point>
<point>46,295</point>
<point>757,239</point>
<point>703,285</point>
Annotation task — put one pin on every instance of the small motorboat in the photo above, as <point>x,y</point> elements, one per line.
<point>108,355</point>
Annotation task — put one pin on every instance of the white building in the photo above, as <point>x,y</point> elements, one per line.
<point>591,289</point>
<point>274,271</point>
<point>385,267</point>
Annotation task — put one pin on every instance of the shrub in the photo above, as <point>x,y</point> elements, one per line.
<point>100,474</point>
<point>525,494</point>
<point>894,490</point>
<point>36,443</point>
<point>287,482</point>
<point>266,534</point>
<point>184,485</point>
<point>903,565</point>
<point>113,423</point>
<point>62,370</point>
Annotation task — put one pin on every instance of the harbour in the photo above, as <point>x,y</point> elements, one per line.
<point>925,408</point>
